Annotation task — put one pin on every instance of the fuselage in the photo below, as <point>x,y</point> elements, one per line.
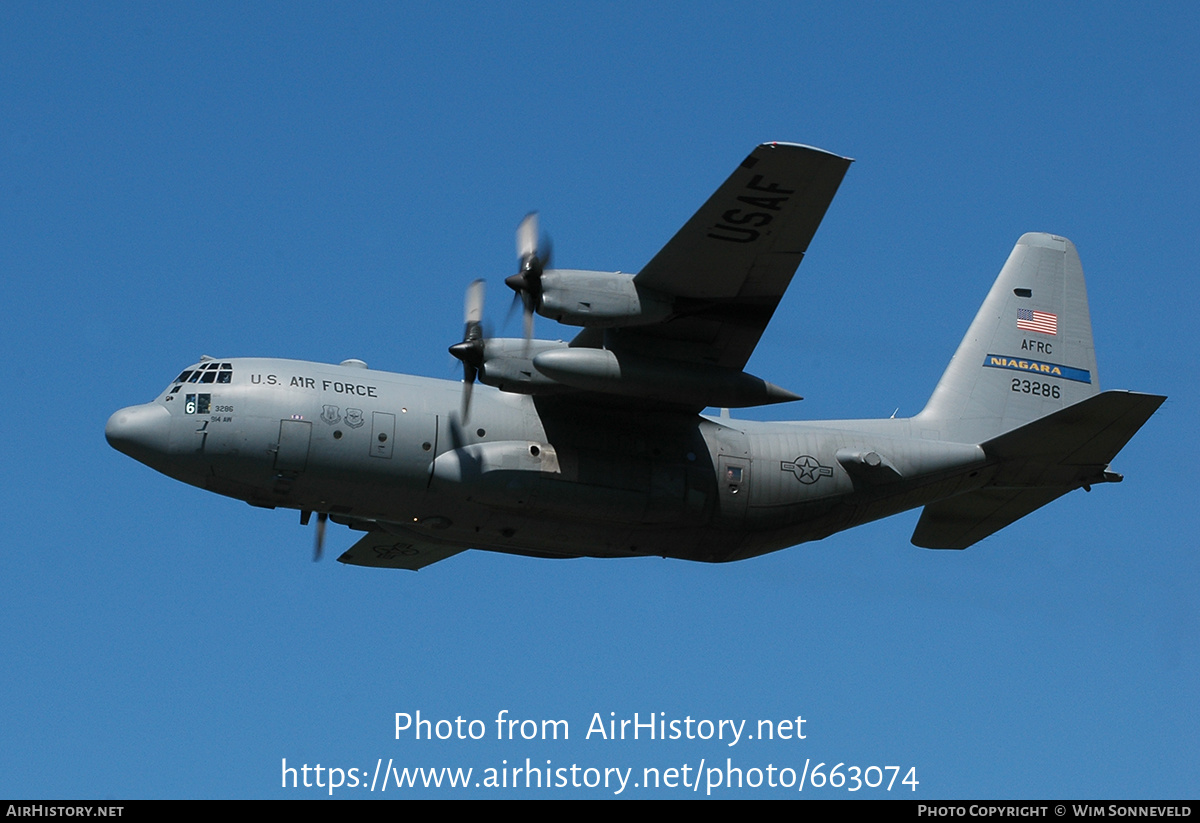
<point>542,476</point>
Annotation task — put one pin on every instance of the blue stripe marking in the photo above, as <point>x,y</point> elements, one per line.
<point>1039,367</point>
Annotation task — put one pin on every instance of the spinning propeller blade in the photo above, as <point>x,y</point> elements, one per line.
<point>534,260</point>
<point>470,350</point>
<point>319,540</point>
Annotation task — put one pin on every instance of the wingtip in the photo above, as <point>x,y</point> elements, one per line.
<point>777,144</point>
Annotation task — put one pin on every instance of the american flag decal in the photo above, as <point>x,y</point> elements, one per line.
<point>1039,321</point>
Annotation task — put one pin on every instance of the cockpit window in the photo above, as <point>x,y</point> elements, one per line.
<point>207,373</point>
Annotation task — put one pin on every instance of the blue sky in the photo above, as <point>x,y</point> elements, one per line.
<point>322,181</point>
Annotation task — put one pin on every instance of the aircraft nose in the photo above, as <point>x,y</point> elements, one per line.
<point>140,431</point>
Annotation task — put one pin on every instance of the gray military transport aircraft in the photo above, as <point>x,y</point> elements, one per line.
<point>597,447</point>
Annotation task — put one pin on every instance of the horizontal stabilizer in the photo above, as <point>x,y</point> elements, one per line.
<point>1039,462</point>
<point>389,551</point>
<point>965,520</point>
<point>1091,432</point>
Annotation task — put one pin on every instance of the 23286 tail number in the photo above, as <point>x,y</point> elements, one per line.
<point>1034,387</point>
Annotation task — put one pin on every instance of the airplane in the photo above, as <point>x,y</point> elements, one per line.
<point>598,446</point>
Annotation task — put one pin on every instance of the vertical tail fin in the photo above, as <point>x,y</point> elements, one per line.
<point>1028,353</point>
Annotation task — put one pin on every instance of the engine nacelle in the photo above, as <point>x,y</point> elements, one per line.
<point>599,299</point>
<point>666,381</point>
<point>508,365</point>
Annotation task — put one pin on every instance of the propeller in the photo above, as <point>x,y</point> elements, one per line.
<point>470,350</point>
<point>527,282</point>
<point>319,541</point>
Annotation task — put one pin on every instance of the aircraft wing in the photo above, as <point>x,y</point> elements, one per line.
<point>727,268</point>
<point>389,551</point>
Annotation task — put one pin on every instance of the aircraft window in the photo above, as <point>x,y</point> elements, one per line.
<point>224,376</point>
<point>176,389</point>
<point>226,366</point>
<point>208,377</point>
<point>213,366</point>
<point>195,378</point>
<point>197,403</point>
<point>181,378</point>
